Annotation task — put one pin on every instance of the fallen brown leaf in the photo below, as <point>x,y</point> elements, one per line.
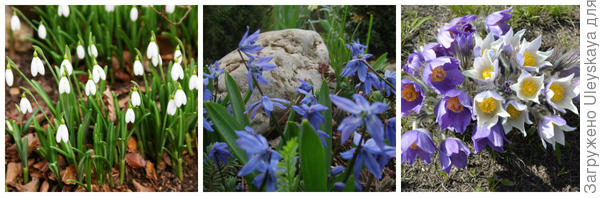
<point>13,170</point>
<point>132,145</point>
<point>111,104</point>
<point>68,173</point>
<point>135,160</point>
<point>14,91</point>
<point>140,188</point>
<point>29,187</point>
<point>45,186</point>
<point>122,76</point>
<point>150,171</point>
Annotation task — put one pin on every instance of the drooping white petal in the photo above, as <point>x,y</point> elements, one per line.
<point>135,99</point>
<point>170,8</point>
<point>37,66</point>
<point>176,71</point>
<point>130,116</point>
<point>138,68</point>
<point>80,52</point>
<point>519,115</point>
<point>194,82</point>
<point>171,108</point>
<point>42,31</point>
<point>63,86</point>
<point>63,10</point>
<point>15,23</point>
<point>62,134</point>
<point>133,14</point>
<point>178,56</point>
<point>98,73</point>
<point>152,50</point>
<point>25,105</point>
<point>66,65</point>
<point>109,8</point>
<point>9,77</point>
<point>90,88</point>
<point>180,98</point>
<point>93,51</point>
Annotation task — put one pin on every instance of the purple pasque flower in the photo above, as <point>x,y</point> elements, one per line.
<point>363,113</point>
<point>247,45</point>
<point>371,156</point>
<point>413,97</point>
<point>357,64</point>
<point>371,82</point>
<point>458,33</point>
<point>390,77</point>
<point>267,104</point>
<point>219,153</point>
<point>551,129</point>
<point>257,65</point>
<point>495,23</point>
<point>454,111</point>
<point>312,113</point>
<point>213,72</point>
<point>417,143</point>
<point>434,50</point>
<point>453,152</point>
<point>414,64</point>
<point>304,85</point>
<point>443,74</point>
<point>493,137</point>
<point>390,131</point>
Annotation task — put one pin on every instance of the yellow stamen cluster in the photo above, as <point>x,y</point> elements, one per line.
<point>409,93</point>
<point>514,113</point>
<point>488,105</point>
<point>559,92</point>
<point>529,59</point>
<point>487,73</point>
<point>528,87</point>
<point>438,74</point>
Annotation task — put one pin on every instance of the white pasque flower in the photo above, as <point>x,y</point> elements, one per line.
<point>42,31</point>
<point>129,115</point>
<point>176,71</point>
<point>519,115</point>
<point>152,51</point>
<point>93,51</point>
<point>9,76</point>
<point>560,93</point>
<point>171,107</point>
<point>488,107</point>
<point>180,98</point>
<point>63,85</point>
<point>25,105</point>
<point>133,14</point>
<point>509,42</point>
<point>15,23</point>
<point>66,65</point>
<point>135,97</point>
<point>170,8</point>
<point>109,8</point>
<point>194,82</point>
<point>551,129</point>
<point>63,10</point>
<point>528,87</point>
<point>37,66</point>
<point>138,68</point>
<point>483,45</point>
<point>80,51</point>
<point>98,73</point>
<point>90,87</point>
<point>484,70</point>
<point>62,134</point>
<point>530,58</point>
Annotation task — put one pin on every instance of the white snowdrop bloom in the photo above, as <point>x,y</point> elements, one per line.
<point>66,66</point>
<point>170,8</point>
<point>171,108</point>
<point>133,14</point>
<point>194,82</point>
<point>155,60</point>
<point>93,51</point>
<point>530,58</point>
<point>63,10</point>
<point>488,107</point>
<point>129,115</point>
<point>25,105</point>
<point>109,8</point>
<point>551,129</point>
<point>519,115</point>
<point>15,23</point>
<point>62,134</point>
<point>9,76</point>
<point>63,85</point>
<point>138,68</point>
<point>176,71</point>
<point>42,31</point>
<point>37,66</point>
<point>135,98</point>
<point>528,87</point>
<point>484,70</point>
<point>80,51</point>
<point>180,98</point>
<point>90,88</point>
<point>178,56</point>
<point>483,45</point>
<point>560,93</point>
<point>98,73</point>
<point>152,51</point>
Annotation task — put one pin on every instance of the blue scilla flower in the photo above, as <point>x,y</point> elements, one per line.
<point>308,97</point>
<point>207,124</point>
<point>219,153</point>
<point>313,114</point>
<point>337,170</point>
<point>390,77</point>
<point>390,131</point>
<point>267,104</point>
<point>304,86</point>
<point>371,156</point>
<point>213,72</point>
<point>357,64</point>
<point>269,172</point>
<point>247,45</point>
<point>257,65</point>
<point>363,113</point>
<point>260,158</point>
<point>371,82</point>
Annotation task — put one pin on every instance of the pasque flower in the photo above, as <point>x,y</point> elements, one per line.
<point>80,51</point>
<point>454,111</point>
<point>138,68</point>
<point>488,108</point>
<point>390,131</point>
<point>357,65</point>
<point>62,134</point>
<point>485,68</point>
<point>63,10</point>
<point>362,113</point>
<point>414,64</point>
<point>42,31</point>
<point>530,58</point>
<point>413,97</point>
<point>417,143</point>
<point>458,33</point>
<point>493,137</point>
<point>37,66</point>
<point>519,115</point>
<point>247,45</point>
<point>219,153</point>
<point>15,23</point>
<point>443,74</point>
<point>453,152</point>
<point>25,105</point>
<point>560,93</point>
<point>551,129</point>
<point>390,77</point>
<point>133,14</point>
<point>129,115</point>
<point>495,23</point>
<point>266,103</point>
<point>8,74</point>
<point>66,66</point>
<point>371,156</point>
<point>528,87</point>
<point>484,45</point>
<point>257,65</point>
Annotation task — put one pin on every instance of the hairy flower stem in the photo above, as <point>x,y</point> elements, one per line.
<point>351,165</point>
<point>248,68</point>
<point>264,182</point>
<point>376,74</point>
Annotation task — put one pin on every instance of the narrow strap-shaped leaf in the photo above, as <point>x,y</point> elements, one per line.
<point>312,159</point>
<point>237,104</point>
<point>225,126</point>
<point>326,126</point>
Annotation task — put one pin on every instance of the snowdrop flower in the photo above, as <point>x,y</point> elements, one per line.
<point>37,67</point>
<point>152,51</point>
<point>176,71</point>
<point>98,73</point>
<point>135,97</point>
<point>530,58</point>
<point>63,85</point>
<point>519,115</point>
<point>9,76</point>
<point>488,107</point>
<point>560,93</point>
<point>42,31</point>
<point>177,55</point>
<point>551,129</point>
<point>93,51</point>
<point>66,66</point>
<point>170,8</point>
<point>80,51</point>
<point>90,87</point>
<point>171,107</point>
<point>194,82</point>
<point>63,10</point>
<point>25,105</point>
<point>528,87</point>
<point>133,14</point>
<point>15,23</point>
<point>62,134</point>
<point>129,115</point>
<point>138,68</point>
<point>484,70</point>
<point>109,8</point>
<point>482,46</point>
<point>180,98</point>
